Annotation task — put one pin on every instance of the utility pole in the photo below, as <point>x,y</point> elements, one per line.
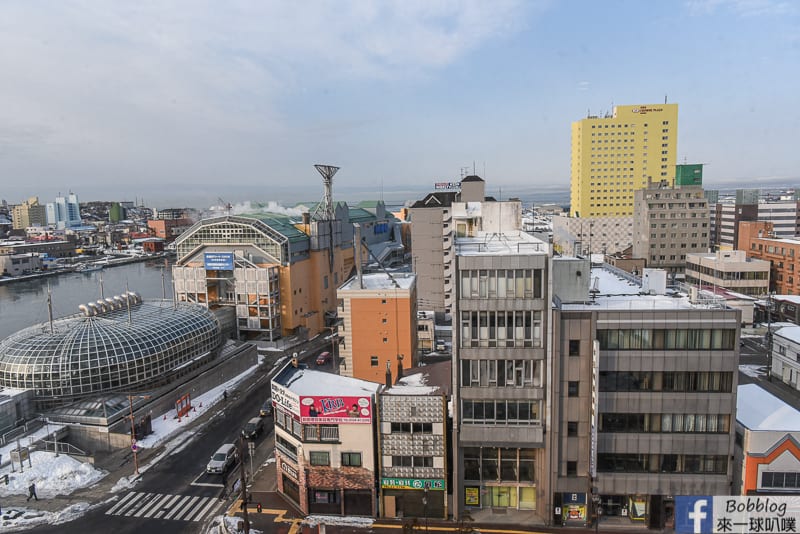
<point>769,336</point>
<point>243,484</point>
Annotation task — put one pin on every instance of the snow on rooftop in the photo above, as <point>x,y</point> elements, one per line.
<point>309,382</point>
<point>757,409</point>
<point>381,281</point>
<point>496,244</point>
<point>616,292</point>
<point>415,384</point>
<point>792,333</point>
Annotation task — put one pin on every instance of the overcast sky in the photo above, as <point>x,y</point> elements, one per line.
<point>181,102</point>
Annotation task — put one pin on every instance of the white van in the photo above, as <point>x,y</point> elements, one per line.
<point>223,459</point>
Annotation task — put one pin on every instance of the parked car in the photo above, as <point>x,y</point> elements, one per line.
<point>323,358</point>
<point>440,345</point>
<point>253,428</point>
<point>266,408</point>
<point>223,459</point>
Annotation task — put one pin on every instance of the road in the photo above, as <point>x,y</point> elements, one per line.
<point>176,495</point>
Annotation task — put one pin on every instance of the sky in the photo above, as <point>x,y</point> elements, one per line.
<point>183,103</point>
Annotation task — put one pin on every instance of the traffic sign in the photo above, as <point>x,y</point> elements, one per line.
<point>134,448</point>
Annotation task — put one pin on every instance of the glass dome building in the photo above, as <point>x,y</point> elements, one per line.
<point>116,344</point>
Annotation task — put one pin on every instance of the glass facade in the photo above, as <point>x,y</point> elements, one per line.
<point>93,354</point>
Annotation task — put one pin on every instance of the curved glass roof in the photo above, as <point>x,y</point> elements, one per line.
<point>92,354</point>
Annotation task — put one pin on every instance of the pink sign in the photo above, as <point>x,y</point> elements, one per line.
<point>331,410</point>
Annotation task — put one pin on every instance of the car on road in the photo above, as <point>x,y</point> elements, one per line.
<point>222,460</point>
<point>266,408</point>
<point>253,428</point>
<point>323,358</point>
<point>440,345</point>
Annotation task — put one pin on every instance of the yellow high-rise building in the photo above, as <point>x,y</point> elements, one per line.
<point>614,156</point>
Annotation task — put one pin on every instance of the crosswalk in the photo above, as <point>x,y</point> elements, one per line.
<point>163,506</point>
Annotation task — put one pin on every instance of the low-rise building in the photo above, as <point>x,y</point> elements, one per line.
<point>731,269</point>
<point>18,264</point>
<point>413,441</point>
<point>786,356</point>
<point>325,441</point>
<point>767,456</point>
<point>592,235</point>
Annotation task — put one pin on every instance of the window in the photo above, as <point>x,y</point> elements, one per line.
<point>572,388</point>
<point>373,361</point>
<point>383,320</point>
<point>572,468</point>
<point>574,347</point>
<point>572,429</point>
<point>422,428</point>
<point>319,458</point>
<point>401,427</point>
<point>352,459</point>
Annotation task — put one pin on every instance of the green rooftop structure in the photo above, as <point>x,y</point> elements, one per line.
<point>689,174</point>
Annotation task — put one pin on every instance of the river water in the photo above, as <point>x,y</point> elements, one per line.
<point>24,304</point>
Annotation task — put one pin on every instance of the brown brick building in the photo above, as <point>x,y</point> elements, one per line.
<point>755,237</point>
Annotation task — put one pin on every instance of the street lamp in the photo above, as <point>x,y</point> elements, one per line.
<point>134,448</point>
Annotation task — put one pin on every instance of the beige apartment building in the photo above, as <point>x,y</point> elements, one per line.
<point>438,219</point>
<point>668,224</point>
<point>29,213</point>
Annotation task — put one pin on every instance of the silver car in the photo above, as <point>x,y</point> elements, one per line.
<point>222,460</point>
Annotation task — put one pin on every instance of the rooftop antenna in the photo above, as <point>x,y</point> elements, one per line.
<point>473,167</point>
<point>50,306</point>
<point>665,98</point>
<point>324,210</point>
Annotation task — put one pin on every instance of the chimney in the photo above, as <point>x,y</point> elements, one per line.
<point>388,374</point>
<point>399,367</point>
<point>294,360</point>
<point>306,217</point>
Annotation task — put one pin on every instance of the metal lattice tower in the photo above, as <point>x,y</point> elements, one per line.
<point>324,210</point>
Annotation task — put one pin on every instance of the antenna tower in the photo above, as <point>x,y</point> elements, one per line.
<point>324,210</point>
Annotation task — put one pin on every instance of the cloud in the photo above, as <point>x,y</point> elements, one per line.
<point>743,8</point>
<point>186,90</point>
<point>584,86</point>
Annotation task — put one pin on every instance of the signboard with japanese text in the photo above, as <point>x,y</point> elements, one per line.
<point>705,514</point>
<point>335,409</point>
<point>218,261</point>
<point>472,496</point>
<point>283,398</point>
<point>439,186</point>
<point>435,484</point>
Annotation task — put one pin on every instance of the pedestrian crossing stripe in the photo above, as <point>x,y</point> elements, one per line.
<point>163,506</point>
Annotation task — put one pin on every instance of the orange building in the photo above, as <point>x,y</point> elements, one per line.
<point>168,229</point>
<point>756,238</point>
<point>767,444</point>
<point>379,325</point>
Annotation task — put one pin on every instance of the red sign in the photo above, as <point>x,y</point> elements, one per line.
<point>331,410</point>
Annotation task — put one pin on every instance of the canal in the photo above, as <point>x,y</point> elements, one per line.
<point>24,304</point>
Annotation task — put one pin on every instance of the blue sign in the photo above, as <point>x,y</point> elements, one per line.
<point>694,515</point>
<point>218,261</point>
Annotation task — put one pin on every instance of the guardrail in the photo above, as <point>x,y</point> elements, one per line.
<point>13,434</point>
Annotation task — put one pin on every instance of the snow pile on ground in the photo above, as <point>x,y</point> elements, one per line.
<point>53,475</point>
<point>226,525</point>
<point>23,518</point>
<point>356,522</point>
